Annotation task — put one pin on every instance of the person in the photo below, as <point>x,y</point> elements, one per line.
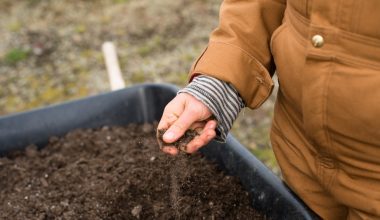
<point>326,125</point>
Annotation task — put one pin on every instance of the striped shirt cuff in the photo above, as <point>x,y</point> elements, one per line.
<point>220,97</point>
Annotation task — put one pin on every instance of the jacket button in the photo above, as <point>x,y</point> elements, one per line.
<point>317,41</point>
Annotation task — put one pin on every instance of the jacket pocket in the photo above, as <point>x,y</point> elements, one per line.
<point>353,103</point>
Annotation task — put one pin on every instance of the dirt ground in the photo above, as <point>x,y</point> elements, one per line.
<point>116,173</point>
<point>50,51</point>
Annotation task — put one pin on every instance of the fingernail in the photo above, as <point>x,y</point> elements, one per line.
<point>169,136</point>
<point>212,126</point>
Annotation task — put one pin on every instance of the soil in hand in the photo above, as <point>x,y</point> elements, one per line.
<point>116,173</point>
<point>181,143</point>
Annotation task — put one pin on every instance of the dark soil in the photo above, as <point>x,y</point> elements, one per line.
<point>116,173</point>
<point>181,143</point>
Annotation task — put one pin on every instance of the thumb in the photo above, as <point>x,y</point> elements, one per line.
<point>179,127</point>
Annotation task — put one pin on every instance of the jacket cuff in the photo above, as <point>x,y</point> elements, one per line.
<point>232,64</point>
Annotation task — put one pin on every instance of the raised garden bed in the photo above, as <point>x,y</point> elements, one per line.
<point>144,104</point>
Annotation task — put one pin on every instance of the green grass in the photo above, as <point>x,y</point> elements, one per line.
<point>15,56</point>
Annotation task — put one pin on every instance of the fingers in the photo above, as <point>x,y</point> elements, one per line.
<point>179,127</point>
<point>198,126</point>
<point>171,113</point>
<point>199,141</point>
<point>170,150</point>
<point>204,138</point>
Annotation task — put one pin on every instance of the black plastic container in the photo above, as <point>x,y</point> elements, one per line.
<point>145,103</point>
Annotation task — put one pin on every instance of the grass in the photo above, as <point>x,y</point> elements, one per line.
<point>15,56</point>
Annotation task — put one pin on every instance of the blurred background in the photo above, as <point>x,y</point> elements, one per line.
<point>50,51</point>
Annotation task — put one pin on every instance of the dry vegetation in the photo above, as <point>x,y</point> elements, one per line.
<point>50,52</point>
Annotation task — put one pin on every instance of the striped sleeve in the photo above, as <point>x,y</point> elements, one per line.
<point>222,99</point>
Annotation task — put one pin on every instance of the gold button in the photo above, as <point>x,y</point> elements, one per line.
<point>317,41</point>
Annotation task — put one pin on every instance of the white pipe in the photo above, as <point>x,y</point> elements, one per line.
<point>113,67</point>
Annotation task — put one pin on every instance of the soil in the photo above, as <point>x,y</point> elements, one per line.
<point>116,173</point>
<point>181,143</point>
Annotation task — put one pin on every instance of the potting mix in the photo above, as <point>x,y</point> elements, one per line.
<point>116,173</point>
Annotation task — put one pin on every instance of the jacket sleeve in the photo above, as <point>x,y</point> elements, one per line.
<point>239,48</point>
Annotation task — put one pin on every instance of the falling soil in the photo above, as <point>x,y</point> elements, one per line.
<point>116,173</point>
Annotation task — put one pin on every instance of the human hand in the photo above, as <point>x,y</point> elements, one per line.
<point>182,113</point>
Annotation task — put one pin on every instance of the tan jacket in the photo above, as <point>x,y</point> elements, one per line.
<point>239,49</point>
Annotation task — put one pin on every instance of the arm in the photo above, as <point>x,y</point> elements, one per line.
<point>238,51</point>
<point>238,54</point>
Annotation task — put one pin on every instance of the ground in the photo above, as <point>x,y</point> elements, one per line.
<point>50,51</point>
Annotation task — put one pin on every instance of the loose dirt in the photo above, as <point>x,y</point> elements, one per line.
<point>116,173</point>
<point>181,143</point>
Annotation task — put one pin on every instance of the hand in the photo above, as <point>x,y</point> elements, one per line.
<point>182,113</point>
